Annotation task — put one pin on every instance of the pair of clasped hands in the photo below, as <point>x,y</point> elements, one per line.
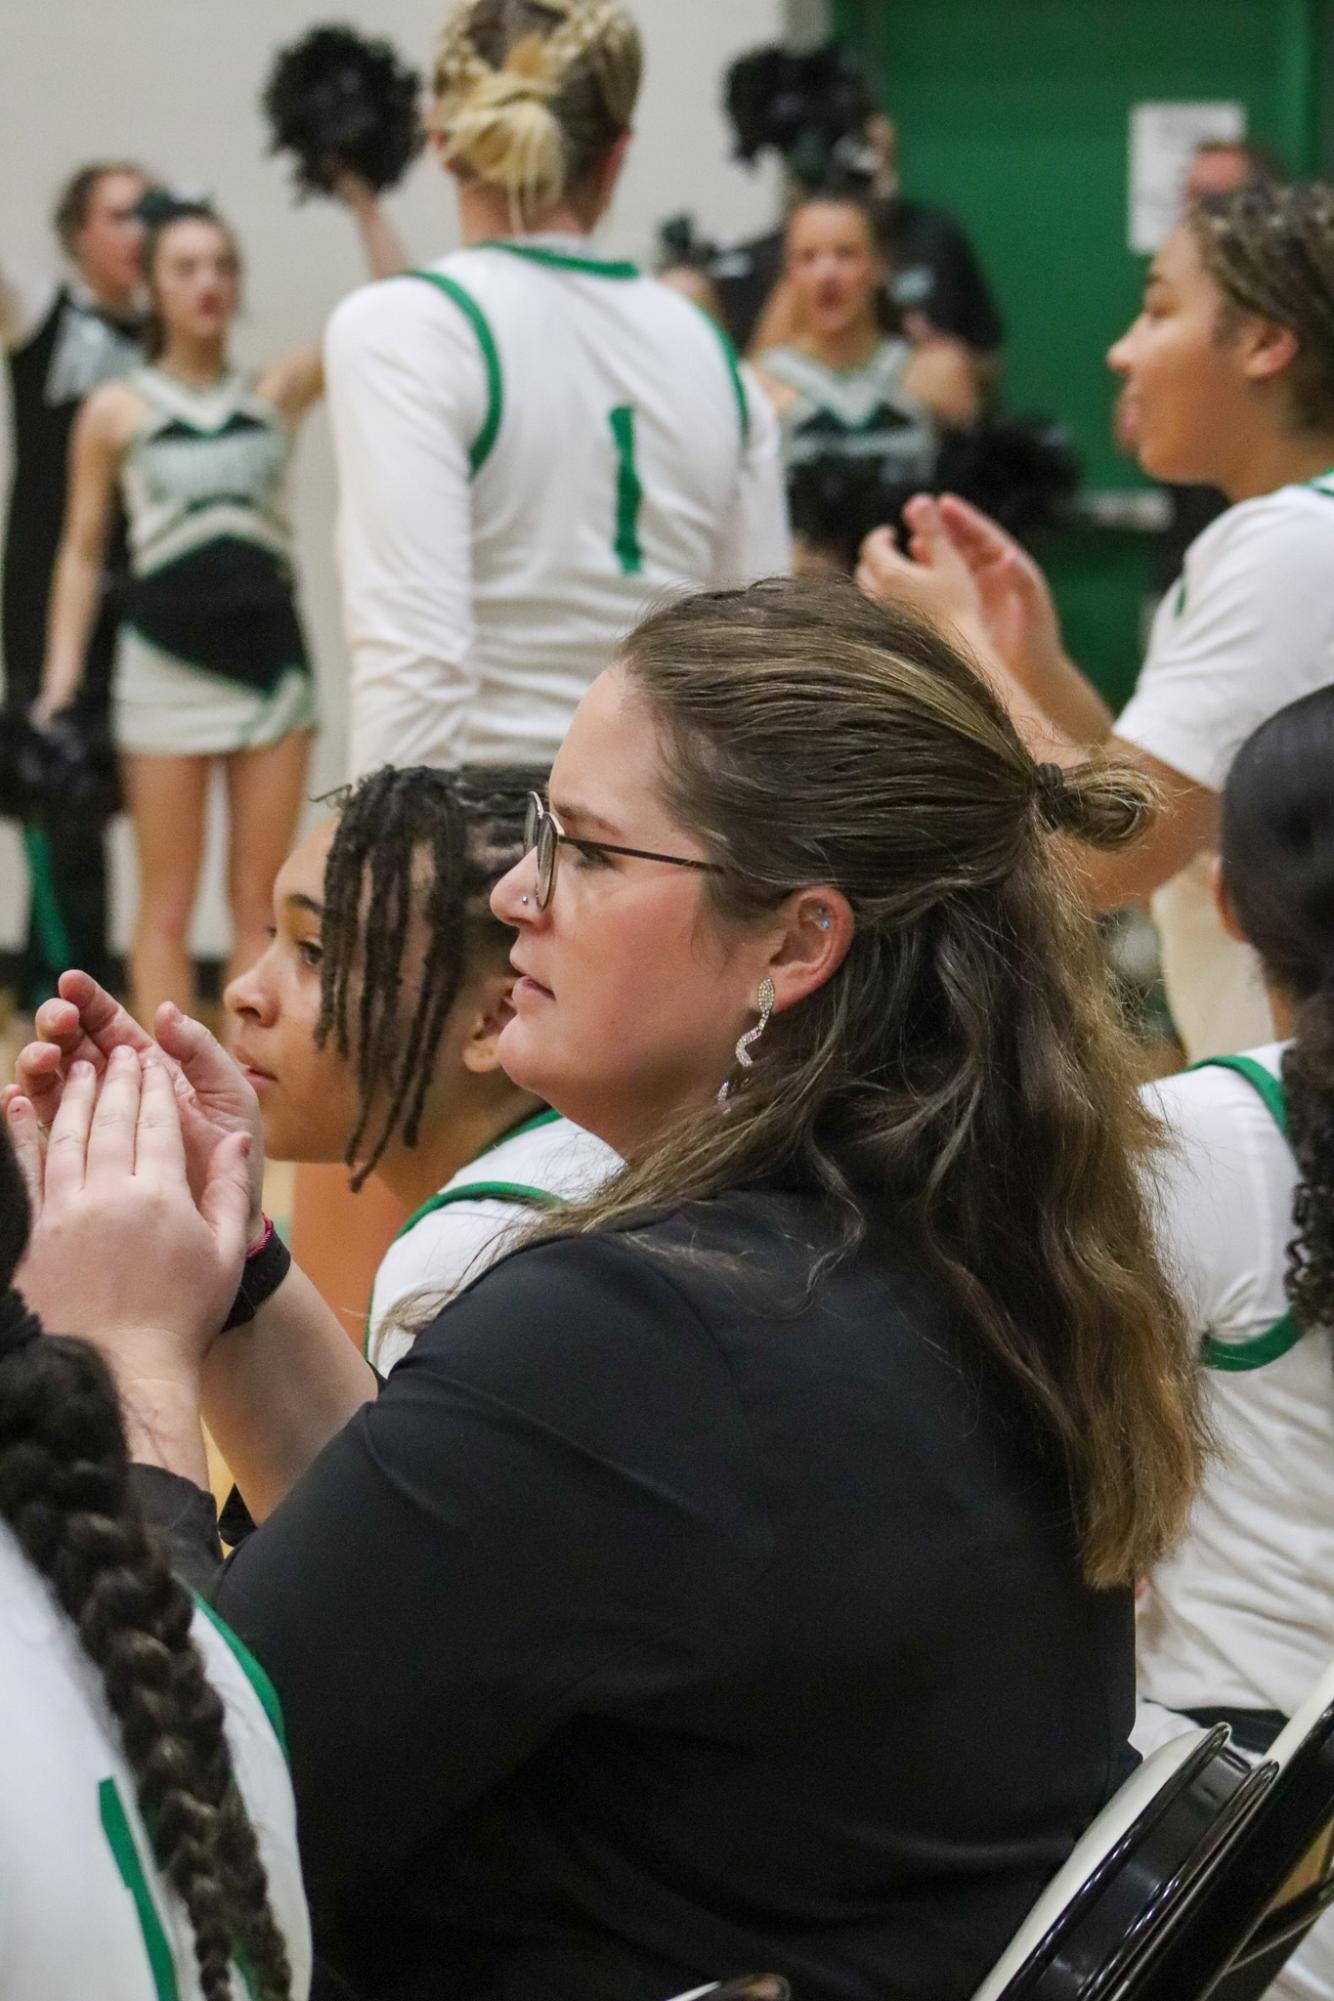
<point>143,1161</point>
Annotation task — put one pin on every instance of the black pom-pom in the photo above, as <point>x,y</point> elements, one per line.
<point>1022,470</point>
<point>338,101</point>
<point>805,107</point>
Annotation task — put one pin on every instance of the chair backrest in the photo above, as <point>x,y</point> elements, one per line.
<point>1276,1880</point>
<point>1099,1926</point>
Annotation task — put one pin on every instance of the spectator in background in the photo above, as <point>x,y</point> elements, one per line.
<point>816,110</point>
<point>65,335</point>
<point>847,392</point>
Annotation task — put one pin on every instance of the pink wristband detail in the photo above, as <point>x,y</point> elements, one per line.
<point>262,1245</point>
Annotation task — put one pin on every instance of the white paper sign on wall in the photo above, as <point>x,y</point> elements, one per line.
<point>1163,139</point>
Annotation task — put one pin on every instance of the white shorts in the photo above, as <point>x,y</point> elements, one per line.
<point>161,707</point>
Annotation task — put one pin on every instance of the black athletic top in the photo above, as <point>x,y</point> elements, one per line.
<point>655,1625</point>
<point>74,348</point>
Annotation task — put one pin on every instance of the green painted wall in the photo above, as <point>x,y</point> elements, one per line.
<point>1015,115</point>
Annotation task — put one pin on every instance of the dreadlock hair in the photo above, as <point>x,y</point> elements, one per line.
<point>1277,843</point>
<point>1270,250</point>
<point>65,1494</point>
<point>411,843</point>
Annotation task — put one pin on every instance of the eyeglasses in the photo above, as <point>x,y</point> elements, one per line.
<point>543,831</point>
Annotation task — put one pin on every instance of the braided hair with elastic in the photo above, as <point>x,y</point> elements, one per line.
<point>413,861</point>
<point>65,1494</point>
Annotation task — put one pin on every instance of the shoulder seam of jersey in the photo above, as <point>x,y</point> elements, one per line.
<point>480,449</point>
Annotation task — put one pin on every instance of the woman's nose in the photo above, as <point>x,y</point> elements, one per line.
<point>514,898</point>
<point>249,995</point>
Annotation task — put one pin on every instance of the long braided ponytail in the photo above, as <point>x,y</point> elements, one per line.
<point>65,1494</point>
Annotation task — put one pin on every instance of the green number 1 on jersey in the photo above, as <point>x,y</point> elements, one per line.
<point>629,492</point>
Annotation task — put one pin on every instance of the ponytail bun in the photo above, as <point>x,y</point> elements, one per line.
<point>506,131</point>
<point>1102,804</point>
<point>533,94</point>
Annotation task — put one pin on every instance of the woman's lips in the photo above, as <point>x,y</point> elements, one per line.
<point>526,984</point>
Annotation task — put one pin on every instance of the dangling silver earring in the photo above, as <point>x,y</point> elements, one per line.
<point>764,1000</point>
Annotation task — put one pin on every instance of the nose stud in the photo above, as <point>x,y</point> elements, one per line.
<point>523,899</point>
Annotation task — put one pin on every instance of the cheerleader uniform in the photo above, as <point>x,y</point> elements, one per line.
<point>212,658</point>
<point>60,347</point>
<point>856,413</point>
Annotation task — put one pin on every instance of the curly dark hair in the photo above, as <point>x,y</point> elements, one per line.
<point>1277,846</point>
<point>1270,249</point>
<point>65,1494</point>
<point>411,841</point>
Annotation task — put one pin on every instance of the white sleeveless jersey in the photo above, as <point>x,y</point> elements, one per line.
<point>533,446</point>
<point>84,1913</point>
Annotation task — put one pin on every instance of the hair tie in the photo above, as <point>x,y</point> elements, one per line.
<point>18,1327</point>
<point>1053,793</point>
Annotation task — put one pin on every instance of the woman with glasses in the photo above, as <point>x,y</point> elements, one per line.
<point>743,1566</point>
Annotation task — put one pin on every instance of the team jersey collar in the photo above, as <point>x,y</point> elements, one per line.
<point>562,251</point>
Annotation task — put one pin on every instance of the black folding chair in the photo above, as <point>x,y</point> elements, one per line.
<point>1275,1880</point>
<point>1107,1919</point>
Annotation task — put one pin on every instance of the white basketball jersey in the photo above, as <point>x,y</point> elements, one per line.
<point>606,450</point>
<point>84,1913</point>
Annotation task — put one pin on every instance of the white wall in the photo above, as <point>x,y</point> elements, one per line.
<point>176,83</point>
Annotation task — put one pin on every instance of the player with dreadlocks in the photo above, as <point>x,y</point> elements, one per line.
<point>369,1026</point>
<point>147,1832</point>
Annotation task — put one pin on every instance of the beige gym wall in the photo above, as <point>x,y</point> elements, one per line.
<point>176,83</point>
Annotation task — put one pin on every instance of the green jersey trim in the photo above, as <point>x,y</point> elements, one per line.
<point>478,1191</point>
<point>480,450</point>
<point>733,361</point>
<point>1236,1357</point>
<point>564,260</point>
<point>120,1840</point>
<point>253,1672</point>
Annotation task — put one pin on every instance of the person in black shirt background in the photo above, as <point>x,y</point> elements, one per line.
<point>739,1574</point>
<point>815,110</point>
<point>63,337</point>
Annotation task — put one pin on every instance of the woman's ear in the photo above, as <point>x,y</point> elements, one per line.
<point>492,1009</point>
<point>1227,916</point>
<point>816,928</point>
<point>1269,349</point>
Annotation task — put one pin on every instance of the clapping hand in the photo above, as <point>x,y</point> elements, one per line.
<point>87,1025</point>
<point>966,569</point>
<point>121,1251</point>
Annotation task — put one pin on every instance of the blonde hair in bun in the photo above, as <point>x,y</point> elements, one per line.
<point>532,94</point>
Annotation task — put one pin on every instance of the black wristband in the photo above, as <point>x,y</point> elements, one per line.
<point>261,1275</point>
